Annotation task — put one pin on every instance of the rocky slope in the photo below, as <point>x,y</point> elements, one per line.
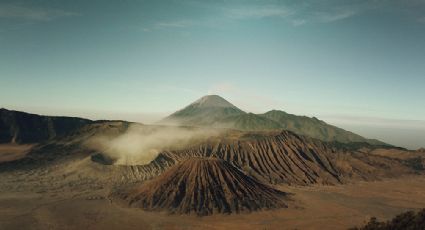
<point>284,157</point>
<point>271,157</point>
<point>204,186</point>
<point>20,127</point>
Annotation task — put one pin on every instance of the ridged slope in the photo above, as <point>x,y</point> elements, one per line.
<point>291,159</point>
<point>281,158</point>
<point>204,186</point>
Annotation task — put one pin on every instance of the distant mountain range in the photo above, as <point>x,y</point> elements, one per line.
<point>208,111</point>
<point>215,111</point>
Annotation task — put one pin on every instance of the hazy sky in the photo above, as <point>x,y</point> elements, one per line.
<point>357,64</point>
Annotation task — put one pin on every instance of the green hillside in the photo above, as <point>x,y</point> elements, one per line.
<point>315,128</point>
<point>214,111</point>
<point>249,121</point>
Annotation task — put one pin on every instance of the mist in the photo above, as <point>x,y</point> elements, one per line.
<point>409,134</point>
<point>140,144</point>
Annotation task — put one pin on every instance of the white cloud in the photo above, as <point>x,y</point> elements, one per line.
<point>295,14</point>
<point>298,22</point>
<point>220,88</point>
<point>251,12</point>
<point>247,99</point>
<point>176,24</point>
<point>33,14</point>
<point>258,12</point>
<point>335,16</point>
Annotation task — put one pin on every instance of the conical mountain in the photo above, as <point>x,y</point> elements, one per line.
<point>212,101</point>
<point>204,186</point>
<point>206,111</point>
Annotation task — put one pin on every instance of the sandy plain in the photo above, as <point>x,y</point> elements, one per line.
<point>313,207</point>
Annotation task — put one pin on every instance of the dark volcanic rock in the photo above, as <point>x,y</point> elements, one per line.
<point>102,159</point>
<point>20,127</point>
<point>204,186</point>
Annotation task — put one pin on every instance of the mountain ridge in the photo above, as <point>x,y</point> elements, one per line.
<point>23,127</point>
<point>206,112</point>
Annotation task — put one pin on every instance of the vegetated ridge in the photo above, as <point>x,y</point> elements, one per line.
<point>215,111</point>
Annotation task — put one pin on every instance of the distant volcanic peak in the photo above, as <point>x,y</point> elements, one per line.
<point>206,111</point>
<point>205,186</point>
<point>212,101</point>
<point>275,111</point>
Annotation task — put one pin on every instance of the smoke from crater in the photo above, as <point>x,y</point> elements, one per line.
<point>140,144</point>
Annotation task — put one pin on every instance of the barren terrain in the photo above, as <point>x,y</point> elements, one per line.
<point>331,207</point>
<point>11,152</point>
<point>63,183</point>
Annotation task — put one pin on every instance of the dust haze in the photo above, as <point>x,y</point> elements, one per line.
<point>140,144</point>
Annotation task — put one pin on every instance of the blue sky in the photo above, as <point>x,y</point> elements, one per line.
<point>356,64</point>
